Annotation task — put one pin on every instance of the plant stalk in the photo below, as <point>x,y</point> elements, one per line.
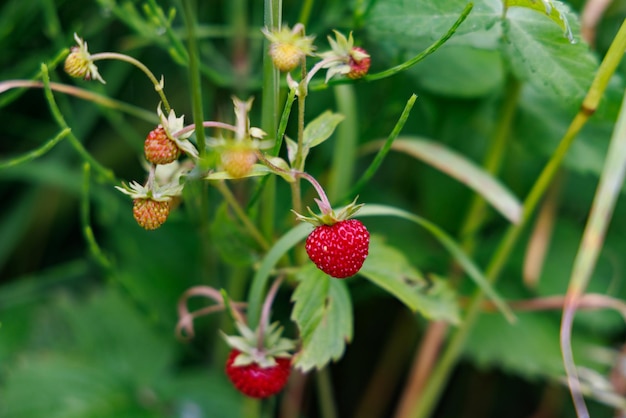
<point>452,352</point>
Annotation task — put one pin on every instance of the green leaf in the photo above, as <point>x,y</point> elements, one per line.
<point>321,128</point>
<point>537,52</point>
<point>257,170</point>
<point>482,71</point>
<point>465,171</point>
<point>291,238</point>
<point>261,277</point>
<point>389,269</point>
<point>464,261</point>
<point>323,311</point>
<point>423,21</point>
<point>549,8</point>
<point>533,47</point>
<point>235,244</point>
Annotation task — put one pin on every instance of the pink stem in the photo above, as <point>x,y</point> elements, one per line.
<point>208,124</point>
<point>265,311</point>
<point>322,202</point>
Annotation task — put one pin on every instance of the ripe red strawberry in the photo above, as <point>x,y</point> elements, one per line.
<point>150,214</point>
<point>256,381</point>
<point>160,149</point>
<point>359,63</point>
<point>238,159</point>
<point>339,250</point>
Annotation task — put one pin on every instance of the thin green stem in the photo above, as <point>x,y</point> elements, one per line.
<point>405,65</point>
<point>241,214</point>
<point>78,146</point>
<point>378,159</point>
<point>325,392</point>
<point>305,12</point>
<point>29,156</point>
<point>94,248</point>
<point>347,136</point>
<point>270,112</point>
<point>195,84</point>
<point>453,350</point>
<point>302,92</point>
<point>158,85</point>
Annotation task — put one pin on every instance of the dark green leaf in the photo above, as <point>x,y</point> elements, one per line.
<point>389,269</point>
<point>235,245</point>
<point>323,312</point>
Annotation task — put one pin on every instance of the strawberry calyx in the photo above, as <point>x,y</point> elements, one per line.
<point>344,58</point>
<point>172,125</point>
<point>262,350</point>
<point>329,216</point>
<point>288,47</point>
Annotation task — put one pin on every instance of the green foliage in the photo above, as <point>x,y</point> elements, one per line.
<point>323,311</point>
<point>531,46</point>
<point>88,299</point>
<point>102,359</point>
<point>390,270</point>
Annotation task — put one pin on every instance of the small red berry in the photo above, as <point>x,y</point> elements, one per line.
<point>339,250</point>
<point>160,149</point>
<point>150,214</point>
<point>256,381</point>
<point>358,67</point>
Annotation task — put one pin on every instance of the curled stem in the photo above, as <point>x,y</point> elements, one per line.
<point>184,327</point>
<point>158,85</point>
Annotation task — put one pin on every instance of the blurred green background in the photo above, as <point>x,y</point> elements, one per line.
<point>79,340</point>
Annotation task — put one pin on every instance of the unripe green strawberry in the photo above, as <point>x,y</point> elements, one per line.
<point>159,149</point>
<point>238,159</point>
<point>285,56</point>
<point>359,63</point>
<point>255,380</point>
<point>339,250</point>
<point>150,214</point>
<point>76,64</point>
<point>289,47</point>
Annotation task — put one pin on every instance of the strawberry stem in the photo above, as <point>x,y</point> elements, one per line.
<point>207,124</point>
<point>158,85</point>
<point>265,312</point>
<point>323,203</point>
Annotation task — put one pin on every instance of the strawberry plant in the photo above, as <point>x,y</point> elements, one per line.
<point>369,209</point>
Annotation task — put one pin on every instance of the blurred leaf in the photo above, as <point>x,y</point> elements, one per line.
<point>482,72</point>
<point>235,245</point>
<point>529,348</point>
<point>321,128</point>
<point>98,332</point>
<point>323,311</point>
<point>58,386</point>
<point>389,269</point>
<point>465,171</point>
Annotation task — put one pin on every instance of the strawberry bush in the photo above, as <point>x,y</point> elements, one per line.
<point>380,208</point>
